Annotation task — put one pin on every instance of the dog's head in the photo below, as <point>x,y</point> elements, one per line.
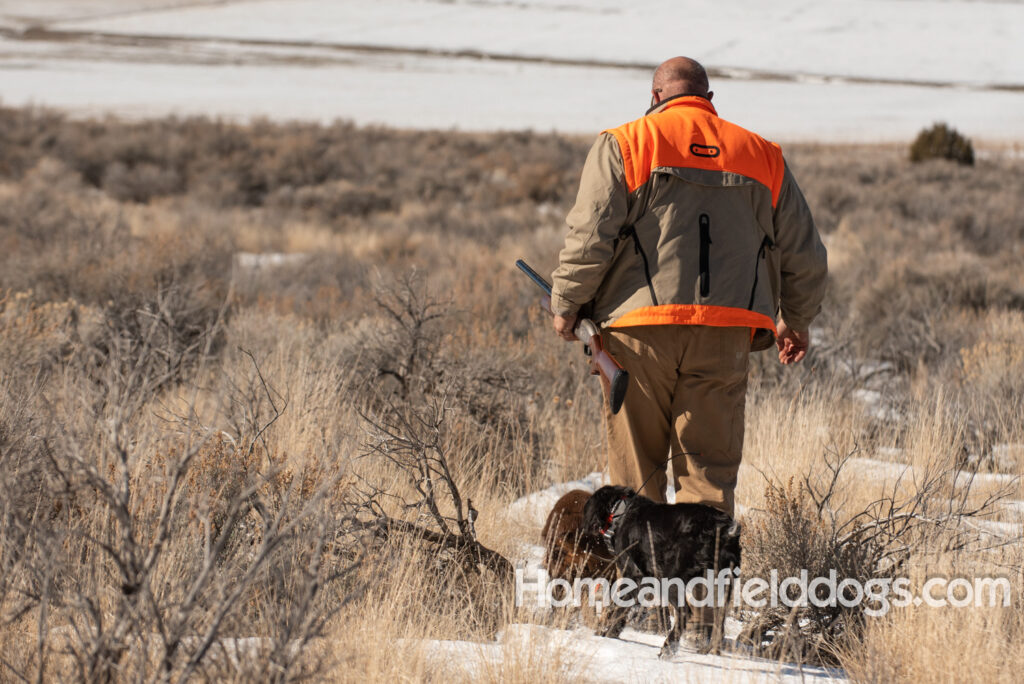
<point>566,516</point>
<point>601,504</point>
<point>569,551</point>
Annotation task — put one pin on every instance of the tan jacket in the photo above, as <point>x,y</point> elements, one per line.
<point>685,218</point>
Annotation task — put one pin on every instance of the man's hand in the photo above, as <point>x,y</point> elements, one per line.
<point>792,344</point>
<point>564,326</point>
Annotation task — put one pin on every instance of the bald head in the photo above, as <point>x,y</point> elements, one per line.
<point>679,76</point>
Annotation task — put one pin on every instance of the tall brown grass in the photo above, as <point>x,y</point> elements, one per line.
<point>157,392</point>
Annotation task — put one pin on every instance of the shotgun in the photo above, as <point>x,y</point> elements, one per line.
<point>614,378</point>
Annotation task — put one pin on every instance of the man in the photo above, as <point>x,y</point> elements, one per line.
<point>688,236</point>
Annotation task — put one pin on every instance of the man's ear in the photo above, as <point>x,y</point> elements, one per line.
<point>711,94</point>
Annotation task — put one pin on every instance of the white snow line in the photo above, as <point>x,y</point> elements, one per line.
<point>536,506</point>
<point>255,261</point>
<point>631,658</point>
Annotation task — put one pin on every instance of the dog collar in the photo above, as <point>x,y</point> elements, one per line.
<point>608,531</point>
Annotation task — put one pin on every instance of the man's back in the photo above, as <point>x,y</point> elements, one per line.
<point>686,134</point>
<point>701,194</point>
<point>679,219</point>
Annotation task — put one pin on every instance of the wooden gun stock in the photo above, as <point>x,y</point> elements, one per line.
<point>614,379</point>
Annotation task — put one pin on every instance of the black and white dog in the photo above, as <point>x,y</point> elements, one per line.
<point>665,541</point>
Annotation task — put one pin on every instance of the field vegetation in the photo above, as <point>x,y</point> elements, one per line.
<point>267,391</point>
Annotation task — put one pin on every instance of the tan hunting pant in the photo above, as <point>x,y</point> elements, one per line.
<point>686,396</point>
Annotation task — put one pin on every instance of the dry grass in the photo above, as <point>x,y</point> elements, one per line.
<point>135,344</point>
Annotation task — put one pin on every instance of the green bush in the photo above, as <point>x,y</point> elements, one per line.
<point>942,142</point>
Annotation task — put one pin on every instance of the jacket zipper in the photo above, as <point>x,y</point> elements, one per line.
<point>631,231</point>
<point>705,255</point>
<point>766,244</point>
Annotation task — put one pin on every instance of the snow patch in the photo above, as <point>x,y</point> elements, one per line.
<point>1007,457</point>
<point>249,261</point>
<point>534,508</point>
<point>876,405</point>
<point>890,454</point>
<point>830,71</point>
<point>996,528</point>
<point>963,478</point>
<point>817,42</point>
<point>1013,507</point>
<point>876,468</point>
<point>631,658</point>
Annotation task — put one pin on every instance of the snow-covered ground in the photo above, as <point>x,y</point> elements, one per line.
<point>533,508</point>
<point>634,656</point>
<point>867,70</point>
<point>631,658</point>
<point>580,654</point>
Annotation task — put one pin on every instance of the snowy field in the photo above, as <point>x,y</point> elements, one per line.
<point>868,70</point>
<point>863,71</point>
<point>633,657</point>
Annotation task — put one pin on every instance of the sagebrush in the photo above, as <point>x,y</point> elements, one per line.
<point>208,331</point>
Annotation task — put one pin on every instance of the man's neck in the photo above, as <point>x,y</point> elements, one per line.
<point>670,98</point>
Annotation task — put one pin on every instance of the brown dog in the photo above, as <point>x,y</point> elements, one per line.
<point>570,552</point>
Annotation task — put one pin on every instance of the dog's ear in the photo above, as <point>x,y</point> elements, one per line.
<point>619,492</point>
<point>734,529</point>
<point>590,513</point>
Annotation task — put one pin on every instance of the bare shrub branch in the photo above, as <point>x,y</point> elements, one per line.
<point>808,525</point>
<point>413,441</point>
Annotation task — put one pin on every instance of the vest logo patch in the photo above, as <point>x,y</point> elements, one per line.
<point>704,150</point>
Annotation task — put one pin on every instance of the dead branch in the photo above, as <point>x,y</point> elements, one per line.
<point>414,442</point>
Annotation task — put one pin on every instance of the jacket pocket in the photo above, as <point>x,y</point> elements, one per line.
<point>705,254</point>
<point>630,231</point>
<point>766,244</point>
